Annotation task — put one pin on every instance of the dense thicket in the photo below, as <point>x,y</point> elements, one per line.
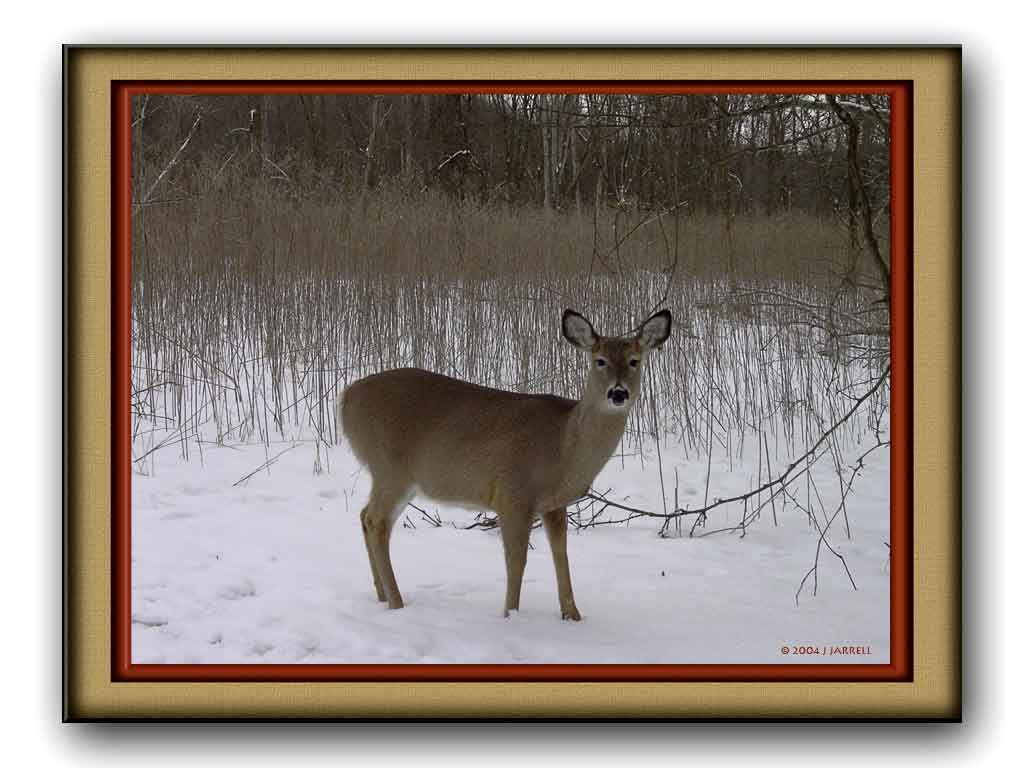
<point>725,153</point>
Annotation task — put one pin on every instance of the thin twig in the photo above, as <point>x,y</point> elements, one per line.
<point>265,464</point>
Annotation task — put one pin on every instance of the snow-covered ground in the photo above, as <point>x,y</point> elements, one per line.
<point>274,570</point>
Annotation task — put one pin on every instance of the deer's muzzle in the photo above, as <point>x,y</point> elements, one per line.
<point>618,395</point>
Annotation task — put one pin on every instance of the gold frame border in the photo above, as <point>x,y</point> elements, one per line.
<point>934,693</point>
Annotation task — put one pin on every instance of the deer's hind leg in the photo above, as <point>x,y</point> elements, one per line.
<point>365,521</point>
<point>387,500</point>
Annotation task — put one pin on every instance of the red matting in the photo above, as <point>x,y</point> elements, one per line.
<point>901,500</point>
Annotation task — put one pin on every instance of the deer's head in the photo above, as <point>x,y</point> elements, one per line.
<point>616,363</point>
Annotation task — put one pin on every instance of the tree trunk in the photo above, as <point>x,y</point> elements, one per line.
<point>547,150</point>
<point>371,143</point>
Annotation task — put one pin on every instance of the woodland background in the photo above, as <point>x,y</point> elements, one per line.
<point>286,245</point>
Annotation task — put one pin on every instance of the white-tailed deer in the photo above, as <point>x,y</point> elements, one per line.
<point>519,455</point>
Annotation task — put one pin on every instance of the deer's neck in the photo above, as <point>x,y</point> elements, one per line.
<point>590,437</point>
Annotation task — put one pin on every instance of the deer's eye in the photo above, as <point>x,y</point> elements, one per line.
<point>600,362</point>
<point>634,363</point>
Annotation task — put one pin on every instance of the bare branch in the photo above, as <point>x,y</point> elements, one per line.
<point>173,161</point>
<point>861,203</point>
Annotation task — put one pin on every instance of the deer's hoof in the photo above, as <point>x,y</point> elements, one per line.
<point>571,614</point>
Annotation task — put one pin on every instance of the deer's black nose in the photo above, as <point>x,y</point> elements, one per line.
<point>618,395</point>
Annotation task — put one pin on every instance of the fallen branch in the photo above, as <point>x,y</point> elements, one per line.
<point>781,480</point>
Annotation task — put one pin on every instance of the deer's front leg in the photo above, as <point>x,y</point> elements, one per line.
<point>556,525</point>
<point>515,536</point>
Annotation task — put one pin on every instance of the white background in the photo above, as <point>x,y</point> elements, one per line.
<point>31,171</point>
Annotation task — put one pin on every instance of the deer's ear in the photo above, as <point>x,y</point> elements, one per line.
<point>655,330</point>
<point>577,330</point>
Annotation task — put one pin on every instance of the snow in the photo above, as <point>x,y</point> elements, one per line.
<point>274,570</point>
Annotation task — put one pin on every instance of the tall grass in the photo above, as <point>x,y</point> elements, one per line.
<point>251,312</point>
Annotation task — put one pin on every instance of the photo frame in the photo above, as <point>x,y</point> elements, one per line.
<point>923,679</point>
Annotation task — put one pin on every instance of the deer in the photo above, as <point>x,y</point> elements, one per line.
<point>522,456</point>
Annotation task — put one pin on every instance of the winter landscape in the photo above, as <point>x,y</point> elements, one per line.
<point>285,247</point>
